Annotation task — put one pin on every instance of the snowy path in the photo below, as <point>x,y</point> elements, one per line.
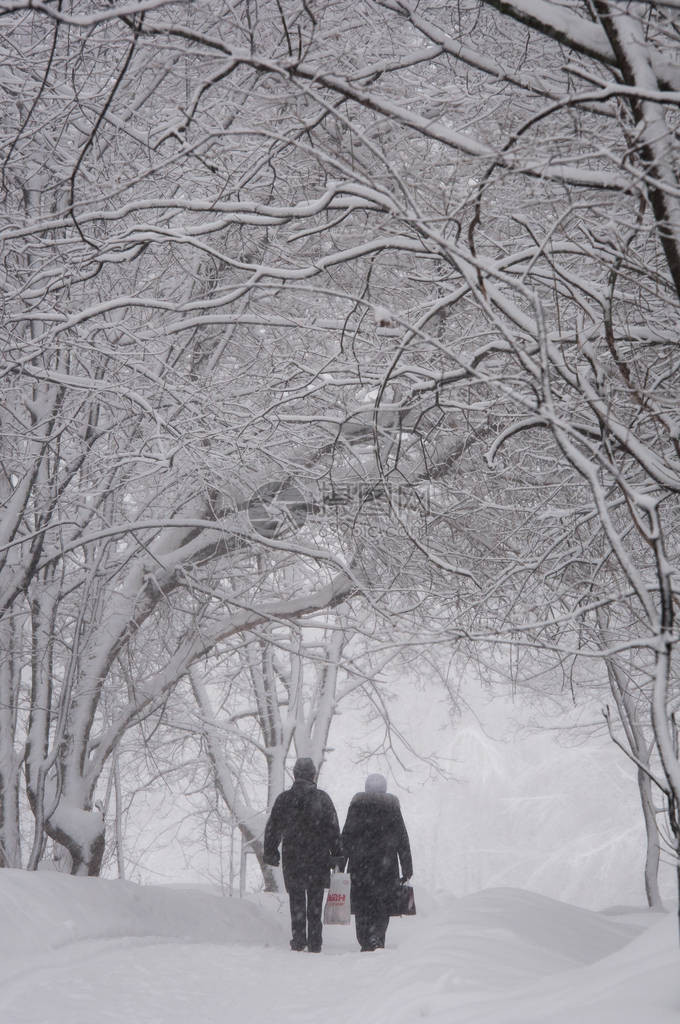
<point>149,982</point>
<point>92,952</point>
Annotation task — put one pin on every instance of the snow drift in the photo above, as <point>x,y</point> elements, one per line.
<point>77,950</point>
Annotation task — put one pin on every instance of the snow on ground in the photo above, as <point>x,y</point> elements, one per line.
<point>78,951</point>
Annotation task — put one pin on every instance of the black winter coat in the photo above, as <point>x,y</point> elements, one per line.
<point>376,842</point>
<point>305,819</point>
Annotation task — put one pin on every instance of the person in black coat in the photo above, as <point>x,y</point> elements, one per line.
<point>376,843</point>
<point>304,820</point>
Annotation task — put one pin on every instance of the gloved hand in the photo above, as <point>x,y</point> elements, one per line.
<point>405,879</point>
<point>273,860</point>
<point>338,863</point>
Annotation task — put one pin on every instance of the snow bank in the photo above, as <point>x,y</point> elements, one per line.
<point>41,911</point>
<point>78,950</point>
<point>506,956</point>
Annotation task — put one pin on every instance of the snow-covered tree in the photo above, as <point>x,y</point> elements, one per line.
<point>289,247</point>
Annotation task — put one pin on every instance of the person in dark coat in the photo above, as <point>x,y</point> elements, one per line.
<point>304,820</point>
<point>376,843</point>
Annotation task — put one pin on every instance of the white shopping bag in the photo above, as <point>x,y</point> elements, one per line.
<point>337,909</point>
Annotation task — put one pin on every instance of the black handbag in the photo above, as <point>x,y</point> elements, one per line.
<point>404,903</point>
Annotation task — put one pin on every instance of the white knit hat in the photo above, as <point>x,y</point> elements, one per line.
<point>376,784</point>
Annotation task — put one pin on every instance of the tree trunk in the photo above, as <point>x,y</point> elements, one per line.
<point>10,837</point>
<point>653,851</point>
<point>256,846</point>
<point>640,750</point>
<point>10,840</point>
<point>86,854</point>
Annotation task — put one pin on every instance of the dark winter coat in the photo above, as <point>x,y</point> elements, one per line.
<point>376,843</point>
<point>303,818</point>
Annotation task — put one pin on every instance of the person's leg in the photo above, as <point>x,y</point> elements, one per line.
<point>365,921</point>
<point>372,932</point>
<point>381,917</point>
<point>314,925</point>
<point>376,920</point>
<point>362,923</point>
<point>380,923</point>
<point>360,906</point>
<point>298,918</point>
